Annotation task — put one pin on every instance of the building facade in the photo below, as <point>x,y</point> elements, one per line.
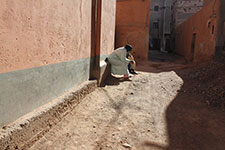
<point>160,24</point>
<point>199,36</point>
<point>132,26</point>
<point>183,9</point>
<point>220,42</point>
<point>48,47</point>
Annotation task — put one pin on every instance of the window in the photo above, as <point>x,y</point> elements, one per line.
<point>155,25</point>
<point>209,24</point>
<point>213,28</point>
<point>156,8</point>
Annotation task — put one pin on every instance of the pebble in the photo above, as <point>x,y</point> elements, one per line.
<point>126,145</point>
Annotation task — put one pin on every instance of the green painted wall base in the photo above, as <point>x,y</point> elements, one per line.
<point>23,91</point>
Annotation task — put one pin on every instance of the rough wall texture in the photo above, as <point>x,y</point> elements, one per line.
<point>25,131</point>
<point>183,9</point>
<point>108,26</point>
<point>37,33</point>
<point>132,25</point>
<point>156,16</point>
<point>45,49</point>
<point>220,43</point>
<point>204,25</point>
<point>168,15</point>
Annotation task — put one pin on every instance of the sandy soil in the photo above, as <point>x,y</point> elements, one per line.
<point>154,111</point>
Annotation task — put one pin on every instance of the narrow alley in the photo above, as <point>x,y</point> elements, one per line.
<point>157,110</point>
<point>112,75</point>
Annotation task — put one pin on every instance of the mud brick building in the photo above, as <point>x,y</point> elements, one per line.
<point>48,47</point>
<point>202,35</point>
<point>183,9</point>
<point>132,25</point>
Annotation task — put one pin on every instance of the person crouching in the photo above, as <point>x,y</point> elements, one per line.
<point>119,61</point>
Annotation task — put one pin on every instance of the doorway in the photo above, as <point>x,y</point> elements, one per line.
<point>155,44</point>
<point>193,46</point>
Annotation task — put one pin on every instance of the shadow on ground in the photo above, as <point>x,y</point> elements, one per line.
<point>113,81</point>
<point>191,124</point>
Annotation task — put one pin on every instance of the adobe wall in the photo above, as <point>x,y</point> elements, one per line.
<point>45,49</point>
<point>220,42</point>
<point>183,9</point>
<point>202,23</point>
<point>132,26</point>
<point>108,25</point>
<point>39,33</point>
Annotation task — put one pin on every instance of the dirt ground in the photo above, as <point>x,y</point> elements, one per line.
<point>162,108</point>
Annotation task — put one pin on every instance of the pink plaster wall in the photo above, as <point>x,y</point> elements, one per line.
<point>108,26</point>
<point>40,32</point>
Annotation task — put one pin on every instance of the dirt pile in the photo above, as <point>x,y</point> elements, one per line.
<point>209,81</point>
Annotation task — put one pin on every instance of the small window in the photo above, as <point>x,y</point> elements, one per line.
<point>156,8</point>
<point>155,25</point>
<point>209,24</point>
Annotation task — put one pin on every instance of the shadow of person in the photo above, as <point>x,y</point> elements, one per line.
<point>112,80</point>
<point>109,79</point>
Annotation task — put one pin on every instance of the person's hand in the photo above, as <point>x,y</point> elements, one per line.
<point>131,62</point>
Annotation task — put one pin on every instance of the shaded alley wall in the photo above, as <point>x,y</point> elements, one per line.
<point>220,43</point>
<point>45,49</point>
<point>196,37</point>
<point>132,26</point>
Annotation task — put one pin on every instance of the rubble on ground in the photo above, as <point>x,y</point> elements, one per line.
<point>209,81</point>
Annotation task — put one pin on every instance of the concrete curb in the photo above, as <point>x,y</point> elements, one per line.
<point>26,130</point>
